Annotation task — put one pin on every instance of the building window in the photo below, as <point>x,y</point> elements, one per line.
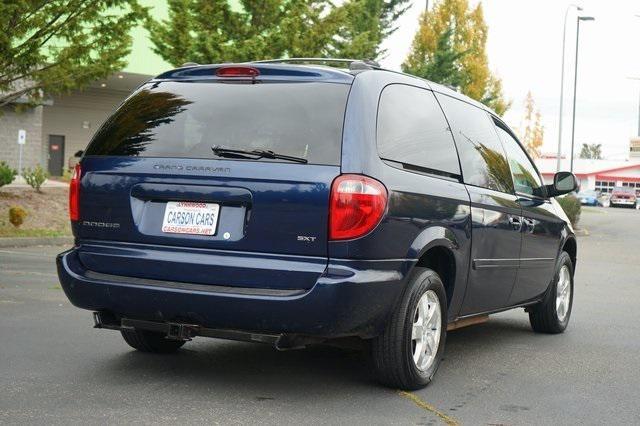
<point>631,184</point>
<point>604,186</point>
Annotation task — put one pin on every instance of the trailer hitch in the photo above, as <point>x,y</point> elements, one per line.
<point>185,332</point>
<point>182,332</point>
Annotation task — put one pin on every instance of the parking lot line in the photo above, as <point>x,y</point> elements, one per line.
<point>428,407</point>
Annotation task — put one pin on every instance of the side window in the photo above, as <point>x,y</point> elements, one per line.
<point>482,157</point>
<point>525,177</point>
<point>412,130</point>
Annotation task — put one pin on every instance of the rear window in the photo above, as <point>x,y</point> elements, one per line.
<point>185,119</point>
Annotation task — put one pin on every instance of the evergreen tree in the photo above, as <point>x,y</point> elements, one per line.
<point>49,47</point>
<point>211,31</point>
<point>444,67</point>
<point>367,23</point>
<point>467,44</point>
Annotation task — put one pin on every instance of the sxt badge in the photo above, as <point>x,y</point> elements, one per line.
<point>306,239</point>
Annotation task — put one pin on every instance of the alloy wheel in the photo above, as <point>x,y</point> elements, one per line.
<point>563,293</point>
<point>425,333</point>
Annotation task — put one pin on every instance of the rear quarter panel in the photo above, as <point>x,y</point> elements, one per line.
<point>423,211</point>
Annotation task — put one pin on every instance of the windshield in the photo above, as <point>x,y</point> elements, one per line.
<point>186,119</point>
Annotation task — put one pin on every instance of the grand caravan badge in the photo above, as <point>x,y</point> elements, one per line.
<point>203,169</point>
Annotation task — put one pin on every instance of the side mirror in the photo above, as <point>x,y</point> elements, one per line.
<point>563,183</point>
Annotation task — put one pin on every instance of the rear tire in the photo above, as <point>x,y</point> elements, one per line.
<point>148,341</point>
<point>553,313</point>
<point>414,329</point>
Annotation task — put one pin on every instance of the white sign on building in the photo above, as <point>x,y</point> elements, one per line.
<point>22,137</point>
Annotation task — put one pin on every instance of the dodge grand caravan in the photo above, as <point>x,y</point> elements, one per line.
<point>294,204</point>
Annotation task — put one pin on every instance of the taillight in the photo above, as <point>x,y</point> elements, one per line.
<point>237,72</point>
<point>356,206</point>
<point>74,194</point>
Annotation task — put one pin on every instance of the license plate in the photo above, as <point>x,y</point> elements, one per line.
<point>186,217</point>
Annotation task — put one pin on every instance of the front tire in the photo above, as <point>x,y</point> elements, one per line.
<point>407,354</point>
<point>553,313</point>
<point>148,341</point>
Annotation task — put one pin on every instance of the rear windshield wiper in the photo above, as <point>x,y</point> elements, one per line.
<point>221,151</point>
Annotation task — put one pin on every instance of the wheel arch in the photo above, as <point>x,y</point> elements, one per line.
<point>437,248</point>
<point>441,260</point>
<point>570,245</point>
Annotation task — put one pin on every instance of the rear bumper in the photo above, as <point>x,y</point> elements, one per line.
<point>351,298</point>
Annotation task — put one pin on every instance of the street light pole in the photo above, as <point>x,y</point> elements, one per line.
<point>575,85</point>
<point>637,16</point>
<point>564,40</point>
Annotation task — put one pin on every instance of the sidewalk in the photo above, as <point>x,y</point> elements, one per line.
<point>11,242</point>
<point>19,182</point>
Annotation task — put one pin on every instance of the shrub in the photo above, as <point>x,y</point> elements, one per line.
<point>7,174</point>
<point>35,177</point>
<point>572,208</point>
<point>17,215</point>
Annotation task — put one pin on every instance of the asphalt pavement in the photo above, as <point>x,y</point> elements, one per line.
<point>56,369</point>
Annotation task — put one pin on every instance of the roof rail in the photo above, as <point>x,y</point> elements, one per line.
<point>352,64</point>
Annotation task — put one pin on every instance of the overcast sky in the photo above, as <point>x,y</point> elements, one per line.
<point>524,48</point>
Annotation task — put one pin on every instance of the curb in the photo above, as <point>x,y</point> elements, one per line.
<point>35,241</point>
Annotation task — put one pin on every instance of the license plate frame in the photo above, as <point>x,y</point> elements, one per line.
<point>191,218</point>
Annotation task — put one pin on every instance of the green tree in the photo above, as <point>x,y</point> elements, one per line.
<point>466,44</point>
<point>367,23</point>
<point>591,151</point>
<point>444,67</point>
<point>211,31</point>
<point>7,174</point>
<point>48,47</point>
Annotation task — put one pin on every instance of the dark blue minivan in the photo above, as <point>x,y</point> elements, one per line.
<point>294,203</point>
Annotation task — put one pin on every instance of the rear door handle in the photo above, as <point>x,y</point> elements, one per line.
<point>516,222</point>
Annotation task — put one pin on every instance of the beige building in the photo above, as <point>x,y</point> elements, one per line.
<point>70,121</point>
<point>634,148</point>
<point>63,125</point>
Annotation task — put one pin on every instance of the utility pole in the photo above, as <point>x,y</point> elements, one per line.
<point>575,85</point>
<point>564,43</point>
<point>637,16</point>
